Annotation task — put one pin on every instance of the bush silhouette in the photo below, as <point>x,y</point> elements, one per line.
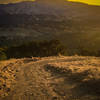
<point>2,54</point>
<point>36,49</point>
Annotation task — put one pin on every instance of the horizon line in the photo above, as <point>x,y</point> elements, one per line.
<point>66,0</point>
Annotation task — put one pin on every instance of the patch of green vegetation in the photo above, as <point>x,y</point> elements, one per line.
<point>2,54</point>
<point>44,49</point>
<point>37,49</point>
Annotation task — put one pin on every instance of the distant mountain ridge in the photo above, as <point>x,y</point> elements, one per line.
<point>49,7</point>
<point>72,23</point>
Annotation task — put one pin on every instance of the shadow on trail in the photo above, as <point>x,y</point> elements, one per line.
<point>74,83</point>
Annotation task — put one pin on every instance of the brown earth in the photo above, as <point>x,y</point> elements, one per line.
<point>50,78</point>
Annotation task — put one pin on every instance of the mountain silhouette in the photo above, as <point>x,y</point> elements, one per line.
<point>52,7</point>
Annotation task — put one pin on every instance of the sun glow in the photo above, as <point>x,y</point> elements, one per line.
<point>90,2</point>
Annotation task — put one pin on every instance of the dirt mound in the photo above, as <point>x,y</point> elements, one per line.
<point>50,78</point>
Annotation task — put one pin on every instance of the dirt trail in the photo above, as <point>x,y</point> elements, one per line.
<point>55,78</point>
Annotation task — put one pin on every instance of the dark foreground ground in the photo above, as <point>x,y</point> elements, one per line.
<point>51,78</point>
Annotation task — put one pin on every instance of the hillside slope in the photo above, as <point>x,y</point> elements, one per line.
<point>71,23</point>
<point>51,9</point>
<point>50,78</point>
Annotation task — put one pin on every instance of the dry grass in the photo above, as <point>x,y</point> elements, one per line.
<point>50,78</point>
<point>8,72</point>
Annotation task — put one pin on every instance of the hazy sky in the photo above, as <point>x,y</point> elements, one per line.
<point>93,2</point>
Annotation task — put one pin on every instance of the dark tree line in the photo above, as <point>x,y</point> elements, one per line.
<point>35,49</point>
<point>43,49</point>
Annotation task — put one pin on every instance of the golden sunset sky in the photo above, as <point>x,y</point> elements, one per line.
<point>91,2</point>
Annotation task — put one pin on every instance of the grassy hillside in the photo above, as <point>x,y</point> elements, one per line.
<point>50,78</point>
<point>74,24</point>
<point>72,32</point>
